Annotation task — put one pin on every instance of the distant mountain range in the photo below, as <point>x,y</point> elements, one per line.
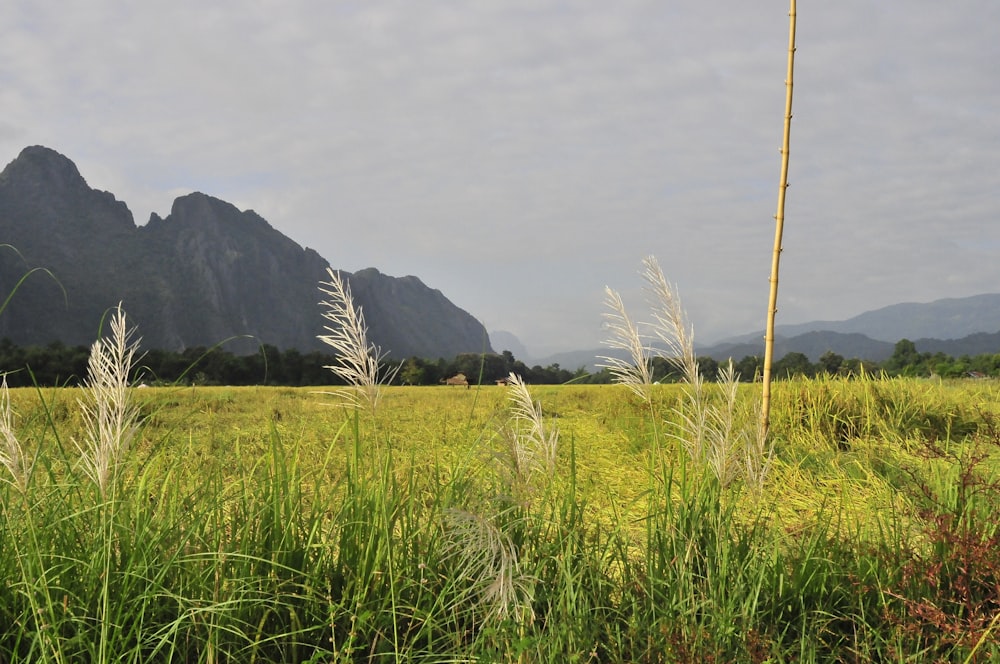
<point>204,274</point>
<point>953,326</point>
<point>950,318</point>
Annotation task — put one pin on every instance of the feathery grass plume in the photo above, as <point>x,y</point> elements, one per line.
<point>758,455</point>
<point>636,372</point>
<point>531,450</point>
<point>110,417</point>
<point>726,440</point>
<point>12,456</point>
<point>711,434</point>
<point>671,328</point>
<point>670,323</point>
<point>359,361</point>
<point>488,562</point>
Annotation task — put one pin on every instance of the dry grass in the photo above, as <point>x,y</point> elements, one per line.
<point>359,361</point>
<point>12,454</point>
<point>110,416</point>
<point>636,371</point>
<point>531,447</point>
<point>714,435</point>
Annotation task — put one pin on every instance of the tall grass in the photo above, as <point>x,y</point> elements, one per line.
<point>110,417</point>
<point>359,362</point>
<point>13,456</point>
<point>719,435</point>
<point>272,546</point>
<point>635,370</point>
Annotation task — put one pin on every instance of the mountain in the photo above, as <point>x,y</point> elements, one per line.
<point>811,344</point>
<point>503,340</point>
<point>980,343</point>
<point>949,318</point>
<point>953,326</point>
<point>408,318</point>
<point>206,273</point>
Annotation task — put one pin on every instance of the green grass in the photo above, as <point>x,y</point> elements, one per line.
<point>269,524</point>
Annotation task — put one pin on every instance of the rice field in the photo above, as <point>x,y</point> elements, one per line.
<point>274,524</point>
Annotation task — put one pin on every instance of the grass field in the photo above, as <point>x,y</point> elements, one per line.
<point>270,524</point>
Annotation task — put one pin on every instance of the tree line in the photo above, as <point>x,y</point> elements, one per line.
<point>57,364</point>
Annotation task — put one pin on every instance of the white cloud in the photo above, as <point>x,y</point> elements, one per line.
<point>563,140</point>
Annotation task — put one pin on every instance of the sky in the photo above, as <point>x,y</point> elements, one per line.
<point>522,155</point>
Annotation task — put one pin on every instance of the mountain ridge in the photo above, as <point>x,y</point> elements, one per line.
<point>812,339</point>
<point>944,318</point>
<point>204,274</point>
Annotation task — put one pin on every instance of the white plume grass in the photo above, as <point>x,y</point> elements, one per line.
<point>758,455</point>
<point>715,435</point>
<point>488,564</point>
<point>110,417</point>
<point>12,455</point>
<point>531,447</point>
<point>359,362</point>
<point>635,370</point>
<point>670,324</point>
<point>725,437</point>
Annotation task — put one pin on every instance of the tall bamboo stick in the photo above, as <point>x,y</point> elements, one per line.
<point>779,220</point>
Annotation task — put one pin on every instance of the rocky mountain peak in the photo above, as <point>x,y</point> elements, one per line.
<point>205,274</point>
<point>40,167</point>
<point>44,187</point>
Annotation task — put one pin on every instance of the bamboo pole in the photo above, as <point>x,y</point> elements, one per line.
<point>779,219</point>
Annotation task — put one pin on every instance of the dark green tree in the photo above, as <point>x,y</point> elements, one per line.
<point>904,358</point>
<point>831,362</point>
<point>750,367</point>
<point>709,368</point>
<point>793,364</point>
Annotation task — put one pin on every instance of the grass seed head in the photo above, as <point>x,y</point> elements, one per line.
<point>487,561</point>
<point>635,371</point>
<point>12,456</point>
<point>358,361</point>
<point>531,447</point>
<point>110,417</point>
<point>670,324</point>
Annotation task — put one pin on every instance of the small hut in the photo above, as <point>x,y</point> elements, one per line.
<point>457,379</point>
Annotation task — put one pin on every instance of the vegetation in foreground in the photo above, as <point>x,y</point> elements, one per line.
<point>262,524</point>
<point>638,523</point>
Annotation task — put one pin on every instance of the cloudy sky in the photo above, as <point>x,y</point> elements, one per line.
<point>519,155</point>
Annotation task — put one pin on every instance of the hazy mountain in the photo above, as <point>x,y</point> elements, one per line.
<point>503,340</point>
<point>408,318</point>
<point>811,344</point>
<point>205,273</point>
<point>980,343</point>
<point>950,318</point>
<point>954,326</point>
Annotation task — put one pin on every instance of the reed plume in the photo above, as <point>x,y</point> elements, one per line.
<point>670,324</point>
<point>488,563</point>
<point>712,434</point>
<point>110,417</point>
<point>635,371</point>
<point>359,362</point>
<point>531,448</point>
<point>12,456</point>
